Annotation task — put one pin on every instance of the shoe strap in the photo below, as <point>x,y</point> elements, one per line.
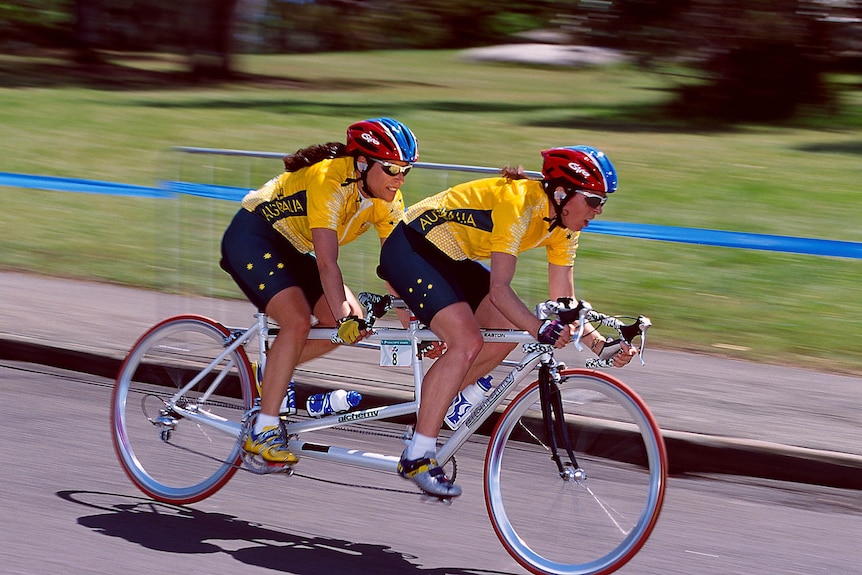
<point>413,467</point>
<point>272,435</point>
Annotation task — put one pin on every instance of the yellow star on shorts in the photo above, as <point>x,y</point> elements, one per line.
<point>261,287</point>
<point>249,266</point>
<point>267,256</point>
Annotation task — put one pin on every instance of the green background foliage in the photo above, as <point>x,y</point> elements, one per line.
<point>798,178</point>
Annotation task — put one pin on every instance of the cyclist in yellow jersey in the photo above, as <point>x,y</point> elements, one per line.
<point>472,220</point>
<point>431,260</point>
<point>282,250</point>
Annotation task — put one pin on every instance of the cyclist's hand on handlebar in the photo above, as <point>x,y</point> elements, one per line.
<point>375,305</point>
<point>431,349</point>
<point>555,332</point>
<point>620,351</point>
<point>350,329</point>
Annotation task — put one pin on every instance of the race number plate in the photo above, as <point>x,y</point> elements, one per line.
<point>395,353</point>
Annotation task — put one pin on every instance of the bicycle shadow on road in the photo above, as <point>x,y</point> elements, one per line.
<point>183,530</point>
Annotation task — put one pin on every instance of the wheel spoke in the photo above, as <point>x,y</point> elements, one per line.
<point>589,520</point>
<point>171,457</point>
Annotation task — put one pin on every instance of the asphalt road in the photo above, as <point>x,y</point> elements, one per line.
<point>68,507</point>
<point>716,414</point>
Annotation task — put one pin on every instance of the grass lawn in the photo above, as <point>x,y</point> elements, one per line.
<point>800,179</point>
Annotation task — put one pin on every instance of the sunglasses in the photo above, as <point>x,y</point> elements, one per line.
<point>394,169</point>
<point>593,200</point>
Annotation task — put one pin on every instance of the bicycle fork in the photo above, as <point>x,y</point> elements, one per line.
<point>554,421</point>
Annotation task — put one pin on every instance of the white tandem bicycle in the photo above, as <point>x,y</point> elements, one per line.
<point>575,469</point>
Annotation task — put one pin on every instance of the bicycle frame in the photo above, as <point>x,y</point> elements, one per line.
<point>448,449</point>
<point>614,493</point>
<point>535,354</point>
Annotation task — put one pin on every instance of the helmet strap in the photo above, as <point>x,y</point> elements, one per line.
<point>362,168</point>
<point>557,201</point>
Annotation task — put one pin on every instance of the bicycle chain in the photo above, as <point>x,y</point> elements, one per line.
<point>259,469</point>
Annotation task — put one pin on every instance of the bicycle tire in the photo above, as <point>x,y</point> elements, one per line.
<point>190,461</point>
<point>551,525</point>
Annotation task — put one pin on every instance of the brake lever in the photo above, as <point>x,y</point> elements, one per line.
<point>644,324</point>
<point>638,328</point>
<point>582,310</point>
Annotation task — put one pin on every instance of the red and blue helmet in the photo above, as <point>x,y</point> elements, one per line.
<point>580,167</point>
<point>382,139</point>
<point>575,168</point>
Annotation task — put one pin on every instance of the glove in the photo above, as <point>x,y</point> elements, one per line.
<point>349,330</point>
<point>550,331</point>
<point>610,349</point>
<point>613,348</point>
<point>431,349</point>
<point>377,305</point>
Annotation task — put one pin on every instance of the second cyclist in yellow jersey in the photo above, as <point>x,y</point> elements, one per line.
<point>433,260</point>
<point>474,219</point>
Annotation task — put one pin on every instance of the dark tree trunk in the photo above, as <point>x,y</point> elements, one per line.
<point>211,36</point>
<point>84,33</point>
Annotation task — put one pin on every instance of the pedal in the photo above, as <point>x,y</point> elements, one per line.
<point>286,469</point>
<point>434,499</point>
<point>408,435</point>
<point>258,465</point>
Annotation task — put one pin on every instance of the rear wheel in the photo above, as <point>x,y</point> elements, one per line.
<point>594,516</point>
<point>170,457</point>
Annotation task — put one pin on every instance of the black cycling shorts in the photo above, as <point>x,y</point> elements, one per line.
<point>263,262</point>
<point>426,278</point>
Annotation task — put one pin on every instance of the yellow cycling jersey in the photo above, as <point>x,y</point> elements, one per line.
<point>322,195</point>
<point>473,219</point>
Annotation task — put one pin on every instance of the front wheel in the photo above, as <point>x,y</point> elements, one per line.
<point>596,514</point>
<point>171,457</point>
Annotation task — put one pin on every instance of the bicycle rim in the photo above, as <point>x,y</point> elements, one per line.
<point>169,458</point>
<point>594,525</point>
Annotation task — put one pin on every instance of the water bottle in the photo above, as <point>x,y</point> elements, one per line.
<point>337,401</point>
<point>258,375</point>
<point>288,404</point>
<point>464,401</point>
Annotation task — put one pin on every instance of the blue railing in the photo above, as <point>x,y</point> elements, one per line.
<point>720,238</point>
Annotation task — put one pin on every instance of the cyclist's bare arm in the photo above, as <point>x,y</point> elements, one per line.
<point>615,352</point>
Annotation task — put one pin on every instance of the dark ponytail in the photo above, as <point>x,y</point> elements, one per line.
<point>511,173</point>
<point>313,154</point>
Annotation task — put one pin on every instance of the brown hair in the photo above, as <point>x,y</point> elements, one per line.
<point>511,173</point>
<point>311,155</point>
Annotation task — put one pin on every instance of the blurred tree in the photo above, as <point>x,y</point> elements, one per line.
<point>314,25</point>
<point>27,23</point>
<point>209,25</point>
<point>758,60</point>
<point>202,29</point>
<point>764,60</point>
<point>84,34</point>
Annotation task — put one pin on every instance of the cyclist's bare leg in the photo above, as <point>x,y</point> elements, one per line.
<point>317,347</point>
<point>457,327</point>
<point>281,359</point>
<point>492,354</point>
<point>291,311</point>
<point>291,347</point>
